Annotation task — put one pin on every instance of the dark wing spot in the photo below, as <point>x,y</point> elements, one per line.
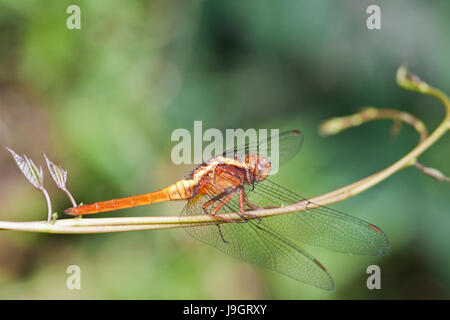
<point>375,228</point>
<point>320,265</point>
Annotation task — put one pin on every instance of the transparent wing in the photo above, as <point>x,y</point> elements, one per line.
<point>255,242</point>
<point>266,242</point>
<point>322,226</point>
<point>285,146</point>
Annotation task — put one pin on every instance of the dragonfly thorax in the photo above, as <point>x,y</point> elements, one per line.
<point>223,174</point>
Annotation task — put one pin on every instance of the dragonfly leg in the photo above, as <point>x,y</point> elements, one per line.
<point>242,201</point>
<point>227,197</point>
<point>254,207</point>
<point>211,201</point>
<point>220,233</point>
<point>251,205</point>
<point>307,204</point>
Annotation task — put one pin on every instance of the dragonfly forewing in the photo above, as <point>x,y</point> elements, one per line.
<point>283,146</point>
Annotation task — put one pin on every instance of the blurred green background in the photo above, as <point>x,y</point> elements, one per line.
<point>104,100</point>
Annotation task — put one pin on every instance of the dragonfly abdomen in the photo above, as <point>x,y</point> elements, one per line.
<point>180,190</point>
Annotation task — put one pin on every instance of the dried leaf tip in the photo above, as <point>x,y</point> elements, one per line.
<point>32,172</point>
<point>34,175</point>
<point>59,175</point>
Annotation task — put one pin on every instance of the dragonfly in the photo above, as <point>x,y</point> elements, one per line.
<point>237,182</point>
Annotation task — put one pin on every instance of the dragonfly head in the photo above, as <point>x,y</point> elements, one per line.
<point>259,166</point>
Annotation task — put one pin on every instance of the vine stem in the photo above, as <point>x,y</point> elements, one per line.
<point>49,205</point>
<point>333,126</point>
<point>72,199</point>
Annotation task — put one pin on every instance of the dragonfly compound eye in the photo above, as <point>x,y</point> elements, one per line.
<point>262,169</point>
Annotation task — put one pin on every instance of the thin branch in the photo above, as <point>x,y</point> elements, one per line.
<point>434,173</point>
<point>49,205</point>
<point>338,124</point>
<point>407,81</point>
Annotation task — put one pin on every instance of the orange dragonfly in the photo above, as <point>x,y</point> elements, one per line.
<point>230,183</point>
